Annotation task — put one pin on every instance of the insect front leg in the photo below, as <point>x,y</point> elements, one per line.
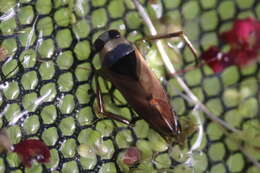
<point>101,106</point>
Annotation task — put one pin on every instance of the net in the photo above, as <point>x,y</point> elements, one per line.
<point>47,88</point>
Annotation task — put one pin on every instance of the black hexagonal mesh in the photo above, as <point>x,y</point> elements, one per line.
<point>47,88</point>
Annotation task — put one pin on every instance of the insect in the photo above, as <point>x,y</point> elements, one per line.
<point>125,67</point>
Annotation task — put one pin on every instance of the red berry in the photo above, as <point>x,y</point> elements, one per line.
<point>32,149</point>
<point>244,42</point>
<point>216,60</point>
<point>242,57</point>
<point>241,33</point>
<point>131,156</point>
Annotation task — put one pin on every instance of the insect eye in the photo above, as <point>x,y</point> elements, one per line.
<point>114,34</point>
<point>98,45</point>
<point>104,38</point>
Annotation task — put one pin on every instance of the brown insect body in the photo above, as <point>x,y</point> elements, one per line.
<point>124,66</point>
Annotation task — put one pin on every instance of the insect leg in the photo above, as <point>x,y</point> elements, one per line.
<point>174,34</point>
<point>101,107</point>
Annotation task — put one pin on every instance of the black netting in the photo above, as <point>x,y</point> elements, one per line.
<point>48,80</point>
